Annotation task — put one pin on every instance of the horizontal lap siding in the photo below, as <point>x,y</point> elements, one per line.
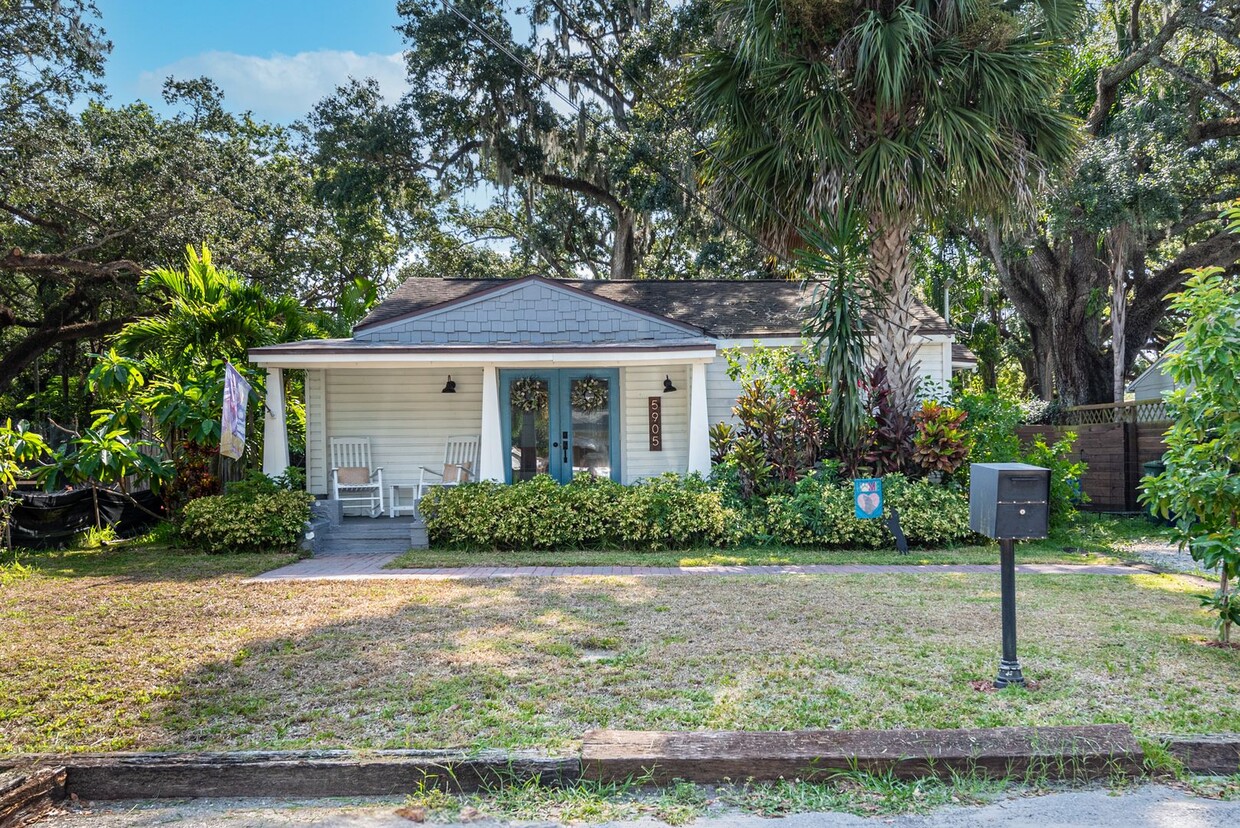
<point>641,383</point>
<point>405,414</point>
<point>721,391</point>
<point>316,435</point>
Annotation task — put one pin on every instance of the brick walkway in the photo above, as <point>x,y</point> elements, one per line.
<point>370,567</point>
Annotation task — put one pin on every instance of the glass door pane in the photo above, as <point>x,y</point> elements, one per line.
<point>589,405</point>
<point>529,400</point>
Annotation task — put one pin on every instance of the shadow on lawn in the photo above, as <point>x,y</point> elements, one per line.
<point>536,662</point>
<point>456,664</point>
<point>148,563</point>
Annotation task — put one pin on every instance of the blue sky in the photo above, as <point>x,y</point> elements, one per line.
<point>275,57</point>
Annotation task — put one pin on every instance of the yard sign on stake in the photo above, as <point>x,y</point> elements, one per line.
<point>868,498</point>
<point>232,421</point>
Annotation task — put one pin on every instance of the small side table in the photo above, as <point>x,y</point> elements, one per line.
<point>396,506</point>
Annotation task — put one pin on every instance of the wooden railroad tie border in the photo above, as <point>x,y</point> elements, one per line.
<point>29,793</point>
<point>1086,752</point>
<point>300,774</point>
<point>30,784</point>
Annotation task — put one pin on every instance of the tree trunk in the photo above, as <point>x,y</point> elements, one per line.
<point>1117,242</point>
<point>895,324</point>
<point>1224,587</point>
<point>624,245</point>
<point>1054,289</point>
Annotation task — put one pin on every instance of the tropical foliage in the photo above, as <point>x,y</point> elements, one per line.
<point>905,112</point>
<point>1200,488</point>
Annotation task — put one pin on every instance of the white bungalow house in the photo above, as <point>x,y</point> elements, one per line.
<point>620,378</point>
<point>1154,381</point>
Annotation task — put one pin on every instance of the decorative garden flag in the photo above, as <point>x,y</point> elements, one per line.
<point>868,498</point>
<point>232,422</point>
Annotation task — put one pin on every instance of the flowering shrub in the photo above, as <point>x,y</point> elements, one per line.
<point>221,524</point>
<point>665,512</point>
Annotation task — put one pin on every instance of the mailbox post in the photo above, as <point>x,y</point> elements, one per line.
<point>1009,501</point>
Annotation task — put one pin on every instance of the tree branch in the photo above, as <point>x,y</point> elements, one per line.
<point>1213,130</point>
<point>1110,80</point>
<point>31,218</point>
<point>1187,77</point>
<point>585,188</point>
<point>38,342</point>
<point>54,263</point>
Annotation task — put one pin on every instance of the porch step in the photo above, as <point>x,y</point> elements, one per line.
<point>398,530</point>
<point>370,536</point>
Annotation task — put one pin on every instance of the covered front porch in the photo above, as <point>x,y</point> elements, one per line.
<point>626,412</point>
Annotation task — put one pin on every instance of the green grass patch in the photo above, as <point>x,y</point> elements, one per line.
<point>743,556</point>
<point>135,559</point>
<point>681,803</point>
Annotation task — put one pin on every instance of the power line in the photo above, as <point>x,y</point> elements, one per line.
<point>703,146</point>
<point>598,124</point>
<point>601,126</point>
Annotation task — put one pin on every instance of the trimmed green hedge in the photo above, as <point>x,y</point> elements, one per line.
<point>819,512</point>
<point>219,524</point>
<point>672,512</point>
<point>667,512</point>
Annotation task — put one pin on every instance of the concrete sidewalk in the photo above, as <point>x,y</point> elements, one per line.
<point>360,567</point>
<point>1155,806</point>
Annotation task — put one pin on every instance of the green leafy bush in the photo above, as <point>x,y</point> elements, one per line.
<point>991,432</point>
<point>273,522</point>
<point>990,427</point>
<point>256,483</point>
<point>1066,475</point>
<point>666,512</point>
<point>819,512</point>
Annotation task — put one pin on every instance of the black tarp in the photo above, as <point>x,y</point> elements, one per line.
<point>43,519</point>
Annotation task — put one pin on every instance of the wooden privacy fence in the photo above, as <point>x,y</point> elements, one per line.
<point>1114,440</point>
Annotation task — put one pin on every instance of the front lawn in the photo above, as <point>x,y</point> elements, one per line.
<point>143,648</point>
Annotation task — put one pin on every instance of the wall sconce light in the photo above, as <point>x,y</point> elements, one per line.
<point>449,386</point>
<point>667,384</point>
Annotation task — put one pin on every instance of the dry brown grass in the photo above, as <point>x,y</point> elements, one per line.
<point>185,657</point>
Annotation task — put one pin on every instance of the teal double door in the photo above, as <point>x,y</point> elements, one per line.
<point>561,422</point>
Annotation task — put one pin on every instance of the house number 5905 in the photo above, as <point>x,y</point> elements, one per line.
<point>655,411</point>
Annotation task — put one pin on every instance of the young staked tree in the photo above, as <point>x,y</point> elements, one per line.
<point>1201,485</point>
<point>906,111</point>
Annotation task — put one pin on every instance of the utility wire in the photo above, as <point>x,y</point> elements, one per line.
<point>602,127</point>
<point>703,146</point>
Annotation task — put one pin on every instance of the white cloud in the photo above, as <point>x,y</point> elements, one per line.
<point>280,87</point>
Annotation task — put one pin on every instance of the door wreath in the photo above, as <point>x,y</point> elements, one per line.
<point>589,394</point>
<point>528,394</point>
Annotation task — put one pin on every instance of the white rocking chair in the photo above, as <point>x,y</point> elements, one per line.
<point>354,481</point>
<point>460,465</point>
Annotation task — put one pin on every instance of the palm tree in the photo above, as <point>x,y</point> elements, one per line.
<point>208,314</point>
<point>905,111</point>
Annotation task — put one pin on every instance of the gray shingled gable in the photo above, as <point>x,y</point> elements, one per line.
<point>527,312</point>
<point>722,309</point>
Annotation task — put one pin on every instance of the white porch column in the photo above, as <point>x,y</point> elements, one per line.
<point>491,445</point>
<point>275,426</point>
<point>699,422</point>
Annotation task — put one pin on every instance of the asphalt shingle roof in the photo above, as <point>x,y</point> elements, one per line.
<point>722,309</point>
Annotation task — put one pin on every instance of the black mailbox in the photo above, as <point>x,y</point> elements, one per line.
<point>1009,500</point>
